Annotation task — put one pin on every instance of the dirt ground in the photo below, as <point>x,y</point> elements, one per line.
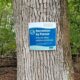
<point>8,70</point>
<point>8,73</point>
<point>76,66</point>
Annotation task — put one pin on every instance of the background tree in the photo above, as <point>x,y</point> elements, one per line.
<point>42,65</point>
<point>74,18</point>
<point>7,35</point>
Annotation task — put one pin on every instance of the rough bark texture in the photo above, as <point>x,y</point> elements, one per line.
<point>42,65</point>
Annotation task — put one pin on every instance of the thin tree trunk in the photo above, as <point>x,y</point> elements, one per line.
<point>42,65</point>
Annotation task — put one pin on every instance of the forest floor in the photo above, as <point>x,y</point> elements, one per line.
<point>8,70</point>
<point>8,73</point>
<point>76,66</point>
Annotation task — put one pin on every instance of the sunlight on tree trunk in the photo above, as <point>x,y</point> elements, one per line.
<point>42,65</point>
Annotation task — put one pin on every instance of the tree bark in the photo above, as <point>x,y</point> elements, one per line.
<point>42,65</point>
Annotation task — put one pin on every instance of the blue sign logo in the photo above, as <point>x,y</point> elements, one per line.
<point>42,37</point>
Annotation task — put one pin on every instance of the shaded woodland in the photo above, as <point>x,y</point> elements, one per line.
<point>8,62</point>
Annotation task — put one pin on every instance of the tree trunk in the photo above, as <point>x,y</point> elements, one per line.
<point>42,65</point>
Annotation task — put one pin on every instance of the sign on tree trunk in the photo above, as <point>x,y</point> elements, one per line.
<point>42,64</point>
<point>42,36</point>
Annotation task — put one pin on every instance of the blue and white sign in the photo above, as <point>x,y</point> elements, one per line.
<point>42,35</point>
